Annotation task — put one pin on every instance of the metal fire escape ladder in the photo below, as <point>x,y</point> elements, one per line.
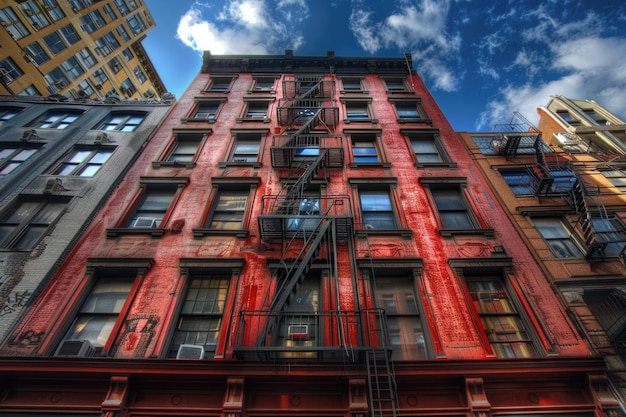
<point>382,388</point>
<point>541,172</point>
<point>587,202</point>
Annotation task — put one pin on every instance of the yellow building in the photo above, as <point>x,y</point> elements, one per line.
<point>76,48</point>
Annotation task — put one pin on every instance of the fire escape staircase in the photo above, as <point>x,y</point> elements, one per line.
<point>587,202</point>
<point>383,399</point>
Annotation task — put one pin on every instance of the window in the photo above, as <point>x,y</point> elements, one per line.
<point>83,162</point>
<point>56,119</point>
<point>150,209</point>
<point>23,226</point>
<point>255,110</point>
<point>128,54</point>
<point>452,208</point>
<point>359,111</point>
<point>12,157</point>
<point>69,34</point>
<point>128,88</point>
<point>396,295</point>
<point>106,44</point>
<point>152,206</point>
<point>519,181</point>
<point>183,149</point>
<point>617,177</point>
<point>568,118</point>
<point>115,65</point>
<point>558,237</point>
<point>12,23</point>
<point>100,76</point>
<point>9,70</point>
<point>30,91</point>
<point>207,110</point>
<point>263,84</point>
<point>409,111</point>
<point>610,231</point>
<point>122,7</point>
<point>139,74</point>
<point>229,209</point>
<point>428,149</point>
<point>136,24</point>
<point>596,118</point>
<point>84,89</point>
<point>72,68</point>
<point>92,21</point>
<point>367,149</point>
<point>101,309</point>
<point>122,121</point>
<point>307,212</point>
<point>7,113</point>
<point>200,318</point>
<point>86,58</point>
<point>352,84</point>
<point>54,43</point>
<point>246,147</point>
<point>53,9</point>
<point>36,53</point>
<point>220,84</point>
<point>57,80</point>
<point>609,307</point>
<point>34,15</point>
<point>499,317</point>
<point>376,210</point>
<point>123,33</point>
<point>396,85</point>
<point>109,11</point>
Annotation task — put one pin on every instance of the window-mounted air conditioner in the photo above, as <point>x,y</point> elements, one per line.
<point>146,222</point>
<point>190,352</point>
<point>298,331</point>
<point>77,348</point>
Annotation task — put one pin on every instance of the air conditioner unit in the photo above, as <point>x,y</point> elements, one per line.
<point>146,222</point>
<point>298,331</point>
<point>190,352</point>
<point>77,348</point>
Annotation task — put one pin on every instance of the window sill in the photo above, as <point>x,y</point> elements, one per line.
<point>451,165</point>
<point>240,164</point>
<point>253,119</point>
<point>172,164</point>
<point>197,120</point>
<point>240,234</point>
<point>348,121</point>
<point>404,233</point>
<point>356,165</point>
<point>415,120</point>
<point>263,91</point>
<point>488,233</point>
<point>115,232</point>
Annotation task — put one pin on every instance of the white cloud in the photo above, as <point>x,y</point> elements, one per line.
<point>244,27</point>
<point>364,31</point>
<point>591,70</point>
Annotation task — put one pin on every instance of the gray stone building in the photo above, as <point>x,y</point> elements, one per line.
<point>59,160</point>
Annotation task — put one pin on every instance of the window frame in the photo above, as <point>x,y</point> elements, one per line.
<point>367,136</point>
<point>20,229</point>
<point>250,107</point>
<point>192,116</point>
<point>258,80</point>
<point>198,136</point>
<point>457,185</point>
<point>574,243</point>
<point>84,164</point>
<point>361,82</point>
<point>380,185</point>
<point>501,271</point>
<point>360,102</point>
<point>126,115</point>
<point>60,123</point>
<point>409,269</point>
<point>525,188</point>
<point>431,135</point>
<point>248,136</point>
<point>211,86</point>
<point>146,186</point>
<point>387,82</point>
<point>228,269</point>
<point>17,148</point>
<point>225,184</point>
<point>97,268</point>
<point>422,117</point>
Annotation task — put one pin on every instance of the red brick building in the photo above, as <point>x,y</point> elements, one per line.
<point>308,236</point>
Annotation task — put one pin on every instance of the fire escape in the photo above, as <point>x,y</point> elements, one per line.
<point>550,175</point>
<point>309,228</point>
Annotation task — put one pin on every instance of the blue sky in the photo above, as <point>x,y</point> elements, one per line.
<point>482,60</point>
